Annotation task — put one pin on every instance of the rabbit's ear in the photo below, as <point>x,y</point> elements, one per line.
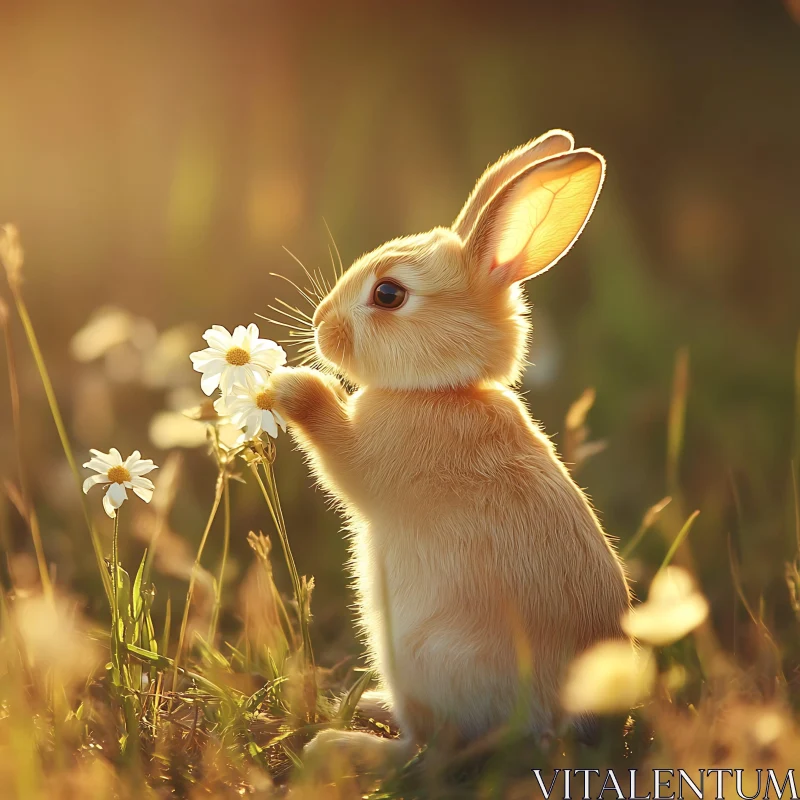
<point>502,171</point>
<point>536,217</point>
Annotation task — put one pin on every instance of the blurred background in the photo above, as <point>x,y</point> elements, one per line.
<point>158,157</point>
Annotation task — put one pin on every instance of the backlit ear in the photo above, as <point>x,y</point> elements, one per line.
<point>535,219</point>
<point>502,171</point>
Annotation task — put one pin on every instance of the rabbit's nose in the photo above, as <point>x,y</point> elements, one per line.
<point>319,314</point>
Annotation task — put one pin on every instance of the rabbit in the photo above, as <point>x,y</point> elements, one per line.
<point>480,567</point>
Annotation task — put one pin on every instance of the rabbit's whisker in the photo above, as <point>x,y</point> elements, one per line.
<point>322,280</point>
<point>302,345</point>
<point>317,288</point>
<point>299,320</point>
<point>338,255</point>
<point>284,324</point>
<point>295,309</point>
<point>303,292</point>
<point>336,274</point>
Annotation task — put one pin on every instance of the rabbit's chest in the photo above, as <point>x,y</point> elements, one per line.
<point>407,578</point>
<point>442,453</point>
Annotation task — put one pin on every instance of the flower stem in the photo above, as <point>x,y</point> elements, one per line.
<point>226,542</point>
<point>120,673</point>
<point>116,667</point>
<point>221,481</point>
<point>274,505</point>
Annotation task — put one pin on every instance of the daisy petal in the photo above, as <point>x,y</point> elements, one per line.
<point>144,493</point>
<point>261,346</point>
<point>268,424</point>
<point>106,458</point>
<point>221,406</point>
<point>279,419</point>
<point>258,380</point>
<point>110,510</point>
<point>239,336</point>
<point>116,456</point>
<point>252,425</point>
<point>98,465</point>
<point>207,359</point>
<point>93,481</point>
<point>239,417</point>
<point>218,339</point>
<point>267,345</point>
<point>142,467</point>
<point>270,359</point>
<point>230,377</point>
<point>116,494</point>
<point>260,373</point>
<point>252,333</point>
<point>132,459</point>
<point>210,382</point>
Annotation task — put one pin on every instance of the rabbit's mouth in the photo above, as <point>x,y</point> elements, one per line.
<point>334,341</point>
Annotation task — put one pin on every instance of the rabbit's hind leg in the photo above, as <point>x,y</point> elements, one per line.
<point>377,706</point>
<point>340,753</point>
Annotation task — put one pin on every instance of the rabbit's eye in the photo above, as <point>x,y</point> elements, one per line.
<point>388,294</point>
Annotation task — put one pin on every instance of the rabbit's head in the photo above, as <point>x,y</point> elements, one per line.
<point>445,308</point>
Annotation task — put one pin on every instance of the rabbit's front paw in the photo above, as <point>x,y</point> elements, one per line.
<point>298,391</point>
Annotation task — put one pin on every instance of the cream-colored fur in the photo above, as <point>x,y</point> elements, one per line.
<point>480,567</point>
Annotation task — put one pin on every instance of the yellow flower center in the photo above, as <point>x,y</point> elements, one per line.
<point>237,356</point>
<point>265,399</point>
<point>118,474</point>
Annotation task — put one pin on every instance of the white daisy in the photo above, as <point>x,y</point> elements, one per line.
<point>235,357</point>
<point>250,408</point>
<point>611,676</point>
<point>674,608</point>
<point>121,475</point>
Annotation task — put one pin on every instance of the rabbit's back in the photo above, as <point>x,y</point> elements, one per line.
<point>475,553</point>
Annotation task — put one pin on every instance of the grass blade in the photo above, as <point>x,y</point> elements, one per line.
<point>677,419</point>
<point>55,412</point>
<point>349,703</point>
<point>678,541</point>
<point>195,568</point>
